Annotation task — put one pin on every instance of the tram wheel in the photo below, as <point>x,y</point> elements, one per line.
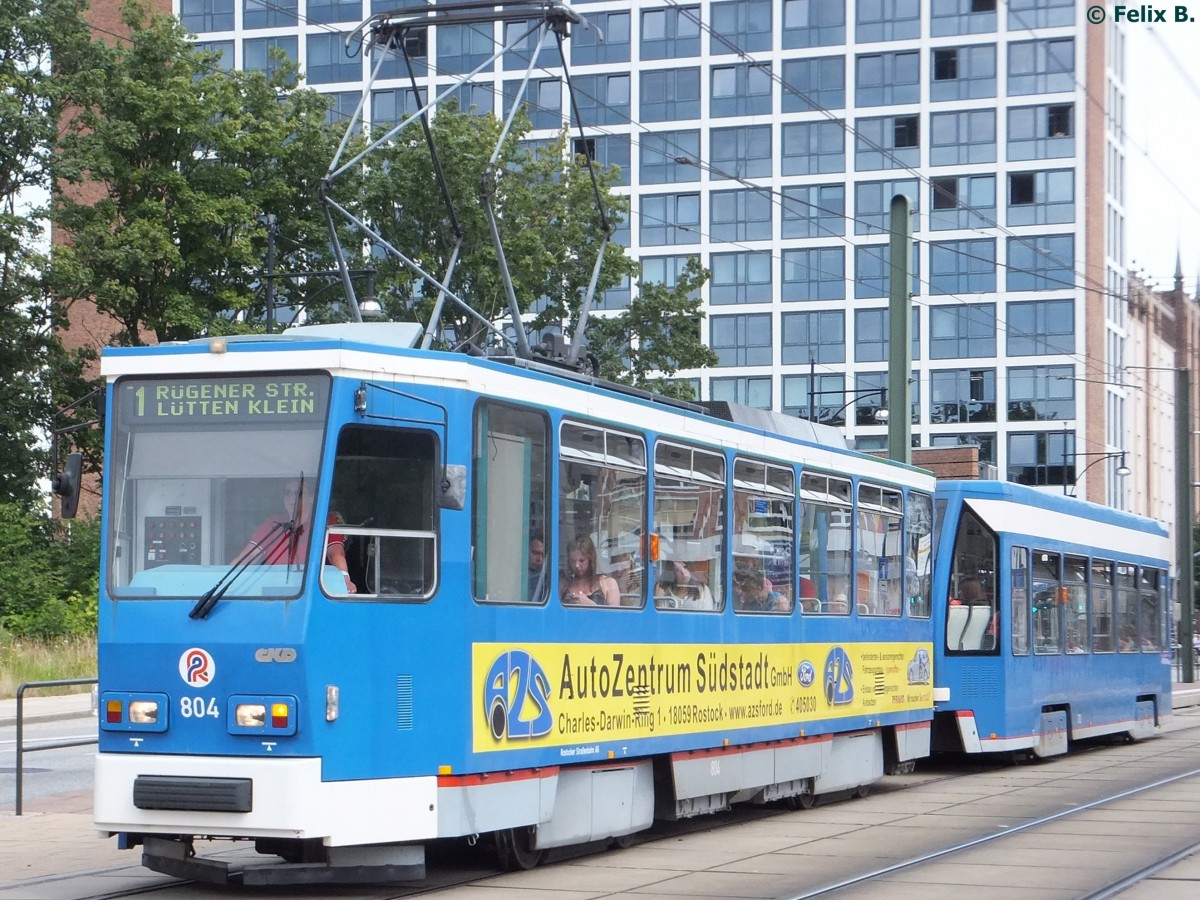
<point>862,791</point>
<point>514,848</point>
<point>805,801</point>
<point>625,841</point>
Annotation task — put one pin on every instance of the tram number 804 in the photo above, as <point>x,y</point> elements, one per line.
<point>199,707</point>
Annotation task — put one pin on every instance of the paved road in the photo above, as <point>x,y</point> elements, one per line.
<point>47,772</point>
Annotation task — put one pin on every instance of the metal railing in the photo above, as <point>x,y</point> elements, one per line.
<point>57,745</point>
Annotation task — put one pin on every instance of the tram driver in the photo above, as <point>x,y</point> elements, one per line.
<point>280,539</point>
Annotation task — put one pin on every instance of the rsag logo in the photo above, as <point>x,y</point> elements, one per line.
<point>197,668</point>
<point>516,697</point>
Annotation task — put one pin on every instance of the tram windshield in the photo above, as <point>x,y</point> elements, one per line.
<point>214,475</point>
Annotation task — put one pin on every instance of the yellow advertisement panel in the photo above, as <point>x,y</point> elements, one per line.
<point>574,695</point>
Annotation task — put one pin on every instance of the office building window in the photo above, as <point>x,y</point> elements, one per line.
<point>962,331</point>
<point>740,90</point>
<point>1041,263</point>
<point>393,61</point>
<point>268,13</point>
<point>1041,198</point>
<point>743,152</point>
<point>873,204</point>
<point>670,157</point>
<point>818,399</point>
<point>670,219</point>
<point>740,278</point>
<point>740,26</point>
<point>602,99</point>
<point>962,201</point>
<point>742,215</point>
<point>462,48</point>
<point>871,396</point>
<point>672,33</point>
<point>887,20</point>
<point>223,51</point>
<point>606,42</point>
<point>1040,327</point>
<point>666,270</point>
<point>814,148</point>
<point>817,273</point>
<point>324,12</point>
<point>962,395</point>
<point>476,99</point>
<point>872,335</point>
<point>1041,457</point>
<point>748,391</point>
<point>818,337</point>
<point>813,23</point>
<point>1037,393</point>
<point>389,107</point>
<point>606,151</point>
<point>199,16</point>
<point>328,61</point>
<point>963,73</point>
<point>889,142</point>
<point>342,105</point>
<point>813,84</point>
<point>872,271</point>
<point>521,39</point>
<point>743,340</point>
<point>887,79</point>
<point>813,210</point>
<point>1027,14</point>
<point>1041,67</point>
<point>1041,132</point>
<point>542,101</point>
<point>958,138</point>
<point>616,297</point>
<point>670,94</point>
<point>962,267</point>
<point>258,55</point>
<point>962,17</point>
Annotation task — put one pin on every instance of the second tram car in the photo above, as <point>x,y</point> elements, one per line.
<point>357,596</point>
<point>1051,620</point>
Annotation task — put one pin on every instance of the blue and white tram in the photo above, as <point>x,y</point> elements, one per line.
<point>1051,622</point>
<point>251,690</point>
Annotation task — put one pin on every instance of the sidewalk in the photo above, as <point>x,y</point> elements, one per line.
<point>40,708</point>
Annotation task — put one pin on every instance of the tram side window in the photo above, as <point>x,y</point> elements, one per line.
<point>918,562</point>
<point>1019,581</point>
<point>764,540</point>
<point>602,514</point>
<point>971,613</point>
<point>1048,596</point>
<point>689,504</point>
<point>1127,611</point>
<point>1102,606</point>
<point>384,491</point>
<point>880,561</point>
<point>826,513</point>
<point>509,522</point>
<point>1152,608</point>
<point>1075,595</point>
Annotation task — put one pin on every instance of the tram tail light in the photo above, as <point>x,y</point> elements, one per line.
<point>129,711</point>
<point>279,715</point>
<point>114,712</point>
<point>259,715</point>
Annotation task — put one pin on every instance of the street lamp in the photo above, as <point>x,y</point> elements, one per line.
<point>1123,471</point>
<point>881,414</point>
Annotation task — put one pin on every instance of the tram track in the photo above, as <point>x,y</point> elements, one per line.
<point>454,868</point>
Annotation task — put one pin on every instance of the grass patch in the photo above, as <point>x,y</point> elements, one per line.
<point>55,659</point>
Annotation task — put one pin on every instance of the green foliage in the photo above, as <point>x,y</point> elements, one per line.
<point>48,574</point>
<point>165,171</point>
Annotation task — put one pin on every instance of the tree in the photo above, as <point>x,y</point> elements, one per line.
<point>166,169</point>
<point>551,231</point>
<point>34,366</point>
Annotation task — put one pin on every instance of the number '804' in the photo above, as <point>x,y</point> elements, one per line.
<point>198,707</point>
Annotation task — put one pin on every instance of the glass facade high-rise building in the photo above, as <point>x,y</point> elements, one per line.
<point>767,138</point>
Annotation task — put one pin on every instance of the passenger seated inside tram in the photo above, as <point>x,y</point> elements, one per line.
<point>582,584</point>
<point>679,587</point>
<point>753,593</point>
<point>809,602</point>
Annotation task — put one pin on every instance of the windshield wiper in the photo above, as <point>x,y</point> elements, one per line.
<point>280,531</point>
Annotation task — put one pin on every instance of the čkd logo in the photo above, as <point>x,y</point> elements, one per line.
<point>516,697</point>
<point>275,654</point>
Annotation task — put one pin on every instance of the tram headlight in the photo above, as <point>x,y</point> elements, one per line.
<point>258,714</point>
<point>143,712</point>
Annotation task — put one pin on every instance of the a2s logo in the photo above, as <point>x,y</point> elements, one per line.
<point>515,680</point>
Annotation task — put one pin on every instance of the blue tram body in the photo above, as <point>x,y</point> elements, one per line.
<point>767,630</point>
<point>1051,620</point>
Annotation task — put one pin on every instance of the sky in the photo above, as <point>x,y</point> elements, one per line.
<point>1162,145</point>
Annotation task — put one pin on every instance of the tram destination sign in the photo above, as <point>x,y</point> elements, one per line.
<point>259,398</point>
